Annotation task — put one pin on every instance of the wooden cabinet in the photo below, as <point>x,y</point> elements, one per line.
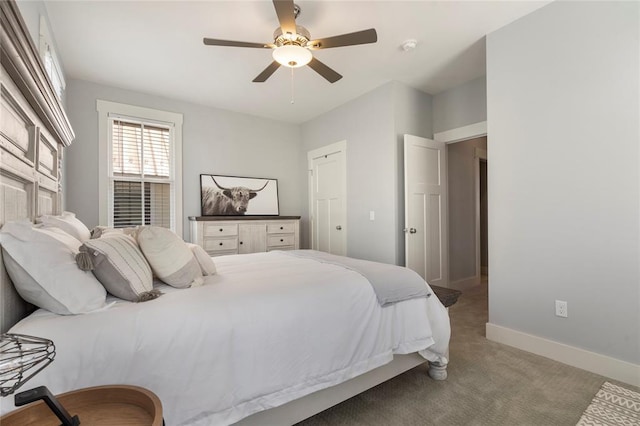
<point>249,234</point>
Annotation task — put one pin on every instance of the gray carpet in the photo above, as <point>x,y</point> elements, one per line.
<point>488,384</point>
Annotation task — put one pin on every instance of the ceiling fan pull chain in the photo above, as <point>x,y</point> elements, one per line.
<point>292,91</point>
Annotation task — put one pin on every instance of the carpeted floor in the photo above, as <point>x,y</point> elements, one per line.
<point>488,384</point>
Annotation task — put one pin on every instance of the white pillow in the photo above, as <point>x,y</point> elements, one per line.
<point>121,267</point>
<point>68,222</point>
<point>44,272</point>
<point>170,258</point>
<point>206,262</point>
<point>65,238</point>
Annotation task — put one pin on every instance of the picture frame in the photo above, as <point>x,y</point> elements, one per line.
<point>222,195</point>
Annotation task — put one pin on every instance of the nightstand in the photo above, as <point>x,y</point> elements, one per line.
<point>114,405</point>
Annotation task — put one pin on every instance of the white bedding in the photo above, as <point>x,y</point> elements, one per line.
<point>267,329</point>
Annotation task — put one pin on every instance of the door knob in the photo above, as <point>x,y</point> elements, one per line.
<point>410,230</point>
<point>338,227</point>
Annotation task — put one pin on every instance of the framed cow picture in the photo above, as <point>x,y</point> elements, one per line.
<point>238,196</point>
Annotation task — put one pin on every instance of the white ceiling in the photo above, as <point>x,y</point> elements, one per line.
<point>156,47</point>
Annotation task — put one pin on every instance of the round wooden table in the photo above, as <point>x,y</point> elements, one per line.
<point>116,405</point>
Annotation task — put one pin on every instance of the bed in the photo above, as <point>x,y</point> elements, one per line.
<point>266,329</point>
<point>271,338</point>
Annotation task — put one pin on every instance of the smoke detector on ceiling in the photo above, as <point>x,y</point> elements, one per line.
<point>409,45</point>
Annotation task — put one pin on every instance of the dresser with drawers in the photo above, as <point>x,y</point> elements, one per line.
<point>221,235</point>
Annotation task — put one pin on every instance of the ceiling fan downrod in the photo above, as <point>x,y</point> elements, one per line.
<point>292,88</point>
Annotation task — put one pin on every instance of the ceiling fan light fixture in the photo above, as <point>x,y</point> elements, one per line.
<point>292,56</point>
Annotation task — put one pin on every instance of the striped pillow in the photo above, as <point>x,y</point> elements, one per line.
<point>120,266</point>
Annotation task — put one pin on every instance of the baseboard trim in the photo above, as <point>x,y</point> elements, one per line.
<point>596,363</point>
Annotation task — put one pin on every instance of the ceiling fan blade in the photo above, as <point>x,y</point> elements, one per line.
<point>286,15</point>
<point>359,37</point>
<point>264,75</point>
<point>324,71</point>
<point>230,43</point>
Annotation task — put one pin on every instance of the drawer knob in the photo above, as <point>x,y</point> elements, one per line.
<point>282,227</point>
<point>240,242</point>
<point>220,243</point>
<point>220,229</point>
<point>281,240</point>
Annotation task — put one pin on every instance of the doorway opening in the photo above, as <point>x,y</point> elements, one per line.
<point>467,176</point>
<point>328,198</point>
<point>484,220</point>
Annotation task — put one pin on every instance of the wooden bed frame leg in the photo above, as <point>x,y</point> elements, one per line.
<point>437,371</point>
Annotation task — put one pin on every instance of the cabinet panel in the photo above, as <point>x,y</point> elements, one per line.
<point>220,244</point>
<point>281,240</point>
<point>220,230</point>
<point>253,238</point>
<point>15,122</point>
<point>281,228</point>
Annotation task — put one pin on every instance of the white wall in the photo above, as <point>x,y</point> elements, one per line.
<point>31,11</point>
<point>460,106</point>
<point>214,141</point>
<point>372,125</point>
<point>563,114</point>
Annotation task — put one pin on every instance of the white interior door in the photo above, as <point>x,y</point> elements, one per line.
<point>327,182</point>
<point>425,186</point>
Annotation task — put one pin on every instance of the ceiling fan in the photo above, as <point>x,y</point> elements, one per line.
<point>292,44</point>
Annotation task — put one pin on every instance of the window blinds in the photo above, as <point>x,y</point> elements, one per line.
<point>140,174</point>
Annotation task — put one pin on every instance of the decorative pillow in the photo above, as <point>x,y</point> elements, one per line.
<point>68,222</point>
<point>204,260</point>
<point>44,272</point>
<point>170,258</point>
<point>120,266</point>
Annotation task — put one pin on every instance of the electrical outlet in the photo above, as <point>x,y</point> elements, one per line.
<point>372,215</point>
<point>562,309</point>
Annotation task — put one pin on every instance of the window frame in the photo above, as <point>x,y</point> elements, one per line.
<point>108,110</point>
<point>54,71</point>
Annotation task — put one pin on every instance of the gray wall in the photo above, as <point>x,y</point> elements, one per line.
<point>214,141</point>
<point>371,125</point>
<point>413,113</point>
<point>563,108</point>
<point>31,11</point>
<point>462,208</point>
<point>460,106</point>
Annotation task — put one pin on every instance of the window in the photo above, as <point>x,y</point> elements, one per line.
<point>140,154</point>
<point>50,60</point>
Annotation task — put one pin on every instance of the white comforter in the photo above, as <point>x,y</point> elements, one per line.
<point>267,329</point>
